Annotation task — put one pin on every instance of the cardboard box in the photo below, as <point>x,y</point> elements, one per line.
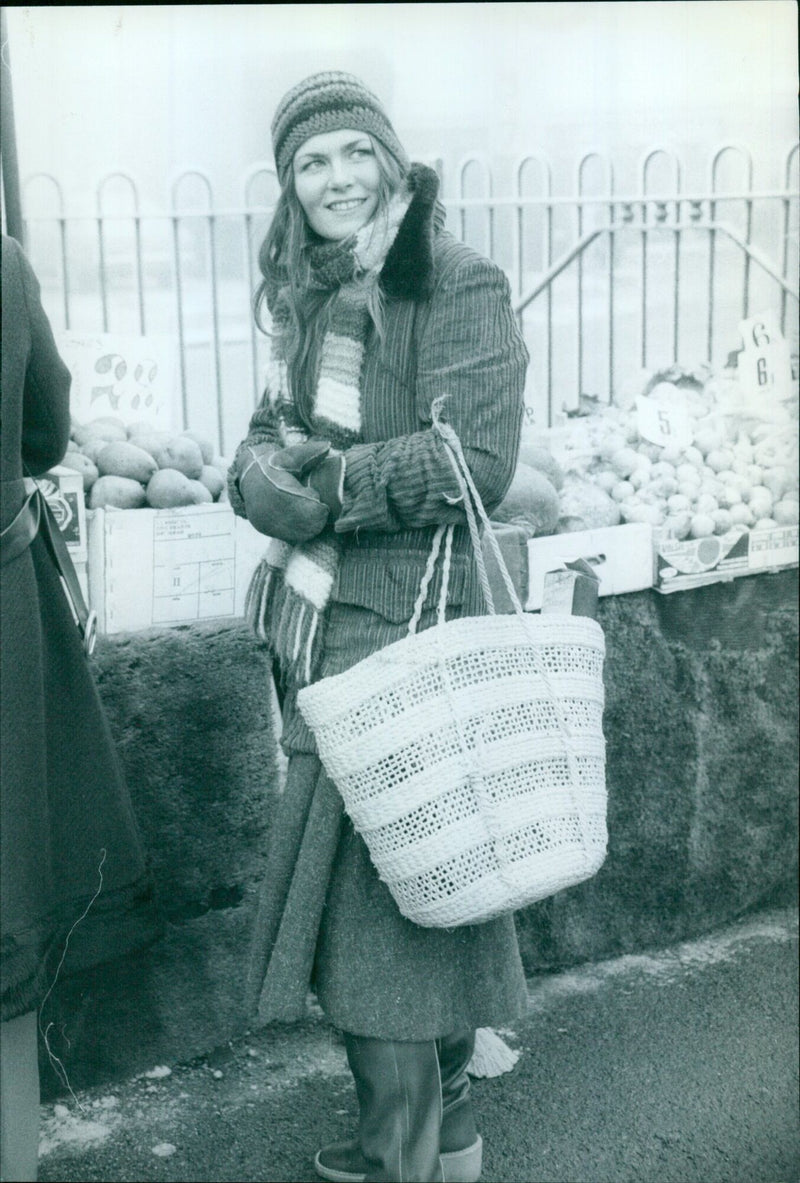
<point>680,566</point>
<point>63,488</point>
<point>513,544</point>
<point>158,567</point>
<point>621,556</point>
<point>572,590</point>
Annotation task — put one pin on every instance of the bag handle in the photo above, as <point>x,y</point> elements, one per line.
<point>472,500</point>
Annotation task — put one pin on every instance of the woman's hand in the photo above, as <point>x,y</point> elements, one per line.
<point>276,501</point>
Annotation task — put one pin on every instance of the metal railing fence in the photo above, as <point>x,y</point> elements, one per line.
<point>604,283</point>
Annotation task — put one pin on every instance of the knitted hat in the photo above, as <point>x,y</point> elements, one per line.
<point>328,102</point>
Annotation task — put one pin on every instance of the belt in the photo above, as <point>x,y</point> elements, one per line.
<point>36,515</point>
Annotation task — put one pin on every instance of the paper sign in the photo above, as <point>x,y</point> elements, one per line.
<point>765,364</point>
<point>131,378</point>
<point>664,423</point>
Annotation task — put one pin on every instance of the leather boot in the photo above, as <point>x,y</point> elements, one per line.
<point>400,1114</point>
<point>461,1146</point>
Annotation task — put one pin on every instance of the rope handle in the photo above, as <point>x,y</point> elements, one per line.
<point>471,498</point>
<point>427,576</point>
<point>472,501</point>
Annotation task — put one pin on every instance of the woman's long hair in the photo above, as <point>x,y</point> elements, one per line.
<point>283,260</point>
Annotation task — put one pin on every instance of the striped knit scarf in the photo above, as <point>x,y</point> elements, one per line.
<point>291,587</point>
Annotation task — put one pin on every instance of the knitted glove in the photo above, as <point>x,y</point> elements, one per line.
<point>275,500</point>
<point>327,480</point>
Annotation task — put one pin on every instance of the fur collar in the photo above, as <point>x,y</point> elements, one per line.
<point>407,273</point>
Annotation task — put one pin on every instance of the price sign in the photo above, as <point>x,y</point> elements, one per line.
<point>131,378</point>
<point>666,424</point>
<point>765,365</point>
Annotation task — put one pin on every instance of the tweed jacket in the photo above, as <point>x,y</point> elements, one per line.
<point>63,797</point>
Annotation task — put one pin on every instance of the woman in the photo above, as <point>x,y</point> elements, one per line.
<point>377,313</point>
<point>72,864</point>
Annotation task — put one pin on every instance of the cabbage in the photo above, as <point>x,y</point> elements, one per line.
<point>531,502</point>
<point>543,461</point>
<point>584,506</point>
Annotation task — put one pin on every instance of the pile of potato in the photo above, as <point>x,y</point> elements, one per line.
<point>139,466</point>
<point>739,473</point>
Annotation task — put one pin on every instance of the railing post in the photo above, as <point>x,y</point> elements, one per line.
<point>102,216</point>
<point>787,212</point>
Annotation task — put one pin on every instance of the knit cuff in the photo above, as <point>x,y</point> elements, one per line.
<point>361,509</point>
<point>234,496</point>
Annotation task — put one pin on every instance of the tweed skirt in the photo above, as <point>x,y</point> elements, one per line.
<point>326,922</point>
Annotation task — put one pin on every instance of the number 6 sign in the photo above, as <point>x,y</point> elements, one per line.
<point>765,366</point>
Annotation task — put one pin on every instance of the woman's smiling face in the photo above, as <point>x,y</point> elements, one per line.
<point>337,182</point>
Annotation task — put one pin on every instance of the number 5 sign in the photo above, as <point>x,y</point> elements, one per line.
<point>667,424</point>
<point>765,365</point>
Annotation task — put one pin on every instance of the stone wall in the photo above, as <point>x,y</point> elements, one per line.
<point>701,728</point>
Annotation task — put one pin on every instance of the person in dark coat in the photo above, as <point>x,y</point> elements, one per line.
<point>377,312</point>
<point>69,837</point>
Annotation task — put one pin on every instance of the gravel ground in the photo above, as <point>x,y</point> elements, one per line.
<point>679,1066</point>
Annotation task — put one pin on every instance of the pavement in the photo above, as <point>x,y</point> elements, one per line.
<point>673,1066</point>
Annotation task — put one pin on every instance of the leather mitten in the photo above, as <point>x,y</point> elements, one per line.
<point>327,480</point>
<point>276,501</point>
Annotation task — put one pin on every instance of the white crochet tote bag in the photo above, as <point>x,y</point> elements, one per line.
<point>470,756</point>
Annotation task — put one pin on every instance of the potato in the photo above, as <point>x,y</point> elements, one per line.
<point>702,526</point>
<point>106,427</point>
<point>82,464</point>
<point>705,503</point>
<point>201,493</point>
<point>741,514</point>
<point>182,454</point>
<point>624,462</point>
<point>168,489</point>
<point>678,504</point>
<point>125,459</point>
<point>94,446</point>
<point>205,446</point>
<point>776,480</point>
<point>144,427</point>
<point>118,491</point>
<point>213,480</point>
<point>786,512</point>
<point>622,491</point>
<point>150,441</point>
<point>677,525</point>
<point>761,501</point>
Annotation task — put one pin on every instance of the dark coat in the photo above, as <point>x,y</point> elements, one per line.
<point>67,826</point>
<point>325,917</point>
